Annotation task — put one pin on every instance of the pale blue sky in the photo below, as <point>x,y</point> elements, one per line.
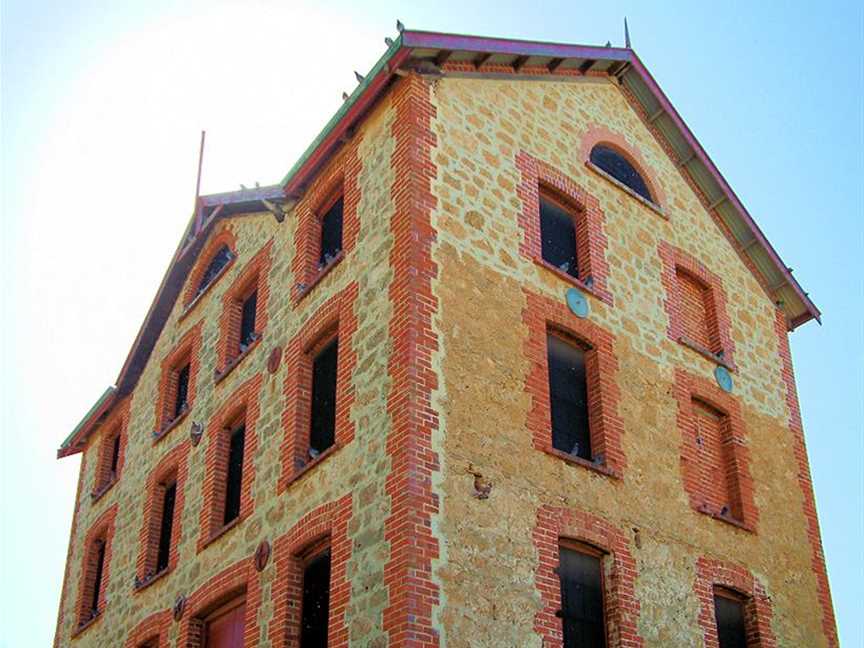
<point>102,104</point>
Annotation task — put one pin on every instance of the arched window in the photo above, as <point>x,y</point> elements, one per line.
<point>220,260</point>
<point>617,166</point>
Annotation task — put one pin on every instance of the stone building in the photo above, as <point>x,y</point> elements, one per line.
<point>502,361</point>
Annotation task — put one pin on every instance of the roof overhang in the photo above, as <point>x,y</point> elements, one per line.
<point>426,52</point>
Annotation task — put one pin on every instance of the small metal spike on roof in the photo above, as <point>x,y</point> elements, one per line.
<point>626,34</point>
<point>399,26</point>
<point>388,41</point>
<point>344,96</point>
<point>244,187</point>
<point>608,43</point>
<point>358,76</point>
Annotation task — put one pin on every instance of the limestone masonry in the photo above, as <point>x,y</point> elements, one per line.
<point>342,422</point>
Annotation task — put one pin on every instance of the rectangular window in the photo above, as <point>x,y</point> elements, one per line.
<point>181,400</point>
<point>582,612</point>
<point>247,321</point>
<point>697,311</point>
<point>731,623</point>
<point>115,455</point>
<point>166,527</point>
<point>558,237</point>
<point>568,398</point>
<point>315,609</point>
<point>710,427</point>
<point>331,233</point>
<point>234,472</point>
<point>99,558</point>
<point>323,416</point>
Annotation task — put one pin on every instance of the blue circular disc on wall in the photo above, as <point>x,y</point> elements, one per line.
<point>724,379</point>
<point>577,303</point>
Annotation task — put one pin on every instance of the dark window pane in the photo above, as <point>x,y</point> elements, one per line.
<point>568,398</point>
<point>235,474</point>
<point>182,400</point>
<point>331,233</point>
<point>581,600</point>
<point>247,321</point>
<point>323,426</point>
<point>619,168</point>
<point>558,238</point>
<point>97,581</point>
<point>731,628</point>
<point>220,260</point>
<point>115,454</point>
<point>316,602</point>
<point>166,527</point>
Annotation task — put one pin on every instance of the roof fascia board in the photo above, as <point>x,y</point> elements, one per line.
<point>99,409</point>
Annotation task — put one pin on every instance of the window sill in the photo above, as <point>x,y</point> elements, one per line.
<point>81,628</point>
<point>200,296</point>
<point>657,209</point>
<point>222,532</point>
<point>158,435</point>
<point>710,355</point>
<point>601,468</point>
<point>323,272</point>
<point>142,584</point>
<point>97,494</point>
<point>300,472</point>
<point>728,519</point>
<point>603,296</point>
<point>220,375</point>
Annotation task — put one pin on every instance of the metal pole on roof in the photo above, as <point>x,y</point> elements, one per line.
<point>626,34</point>
<point>198,184</point>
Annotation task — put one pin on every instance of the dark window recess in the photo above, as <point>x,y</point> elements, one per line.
<point>247,321</point>
<point>316,602</point>
<point>220,260</point>
<point>568,398</point>
<point>323,420</point>
<point>617,166</point>
<point>331,233</point>
<point>115,455</point>
<point>581,600</point>
<point>166,527</point>
<point>731,627</point>
<point>558,238</point>
<point>97,577</point>
<point>181,402</point>
<point>234,478</point>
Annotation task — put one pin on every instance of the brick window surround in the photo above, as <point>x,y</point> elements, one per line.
<point>327,523</point>
<point>340,178</point>
<point>539,178</point>
<point>224,237</point>
<point>101,532</point>
<point>151,632</point>
<point>171,469</point>
<point>334,318</point>
<point>115,431</point>
<point>693,291</point>
<point>711,574</point>
<point>699,476</point>
<point>543,315</point>
<point>187,351</point>
<point>557,525</point>
<point>254,277</point>
<point>240,408</point>
<point>240,580</point>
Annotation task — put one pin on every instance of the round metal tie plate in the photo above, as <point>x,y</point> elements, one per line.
<point>724,379</point>
<point>577,303</point>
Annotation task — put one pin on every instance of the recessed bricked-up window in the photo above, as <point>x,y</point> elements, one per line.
<point>696,306</point>
<point>562,226</point>
<point>94,577</point>
<point>229,472</point>
<point>244,312</point>
<point>714,455</point>
<point>177,387</point>
<point>572,384</point>
<point>318,390</point>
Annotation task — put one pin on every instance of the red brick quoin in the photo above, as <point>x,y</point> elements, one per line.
<point>542,315</point>
<point>539,177</point>
<point>172,467</point>
<point>114,427</point>
<point>240,406</point>
<point>339,178</point>
<point>730,452</point>
<point>151,631</point>
<point>413,594</point>
<point>326,525</point>
<point>240,580</point>
<point>334,318</point>
<point>187,350</point>
<point>712,573</point>
<point>678,264</point>
<point>621,605</point>
<point>101,531</point>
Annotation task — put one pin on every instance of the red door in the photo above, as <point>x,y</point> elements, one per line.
<point>226,630</point>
